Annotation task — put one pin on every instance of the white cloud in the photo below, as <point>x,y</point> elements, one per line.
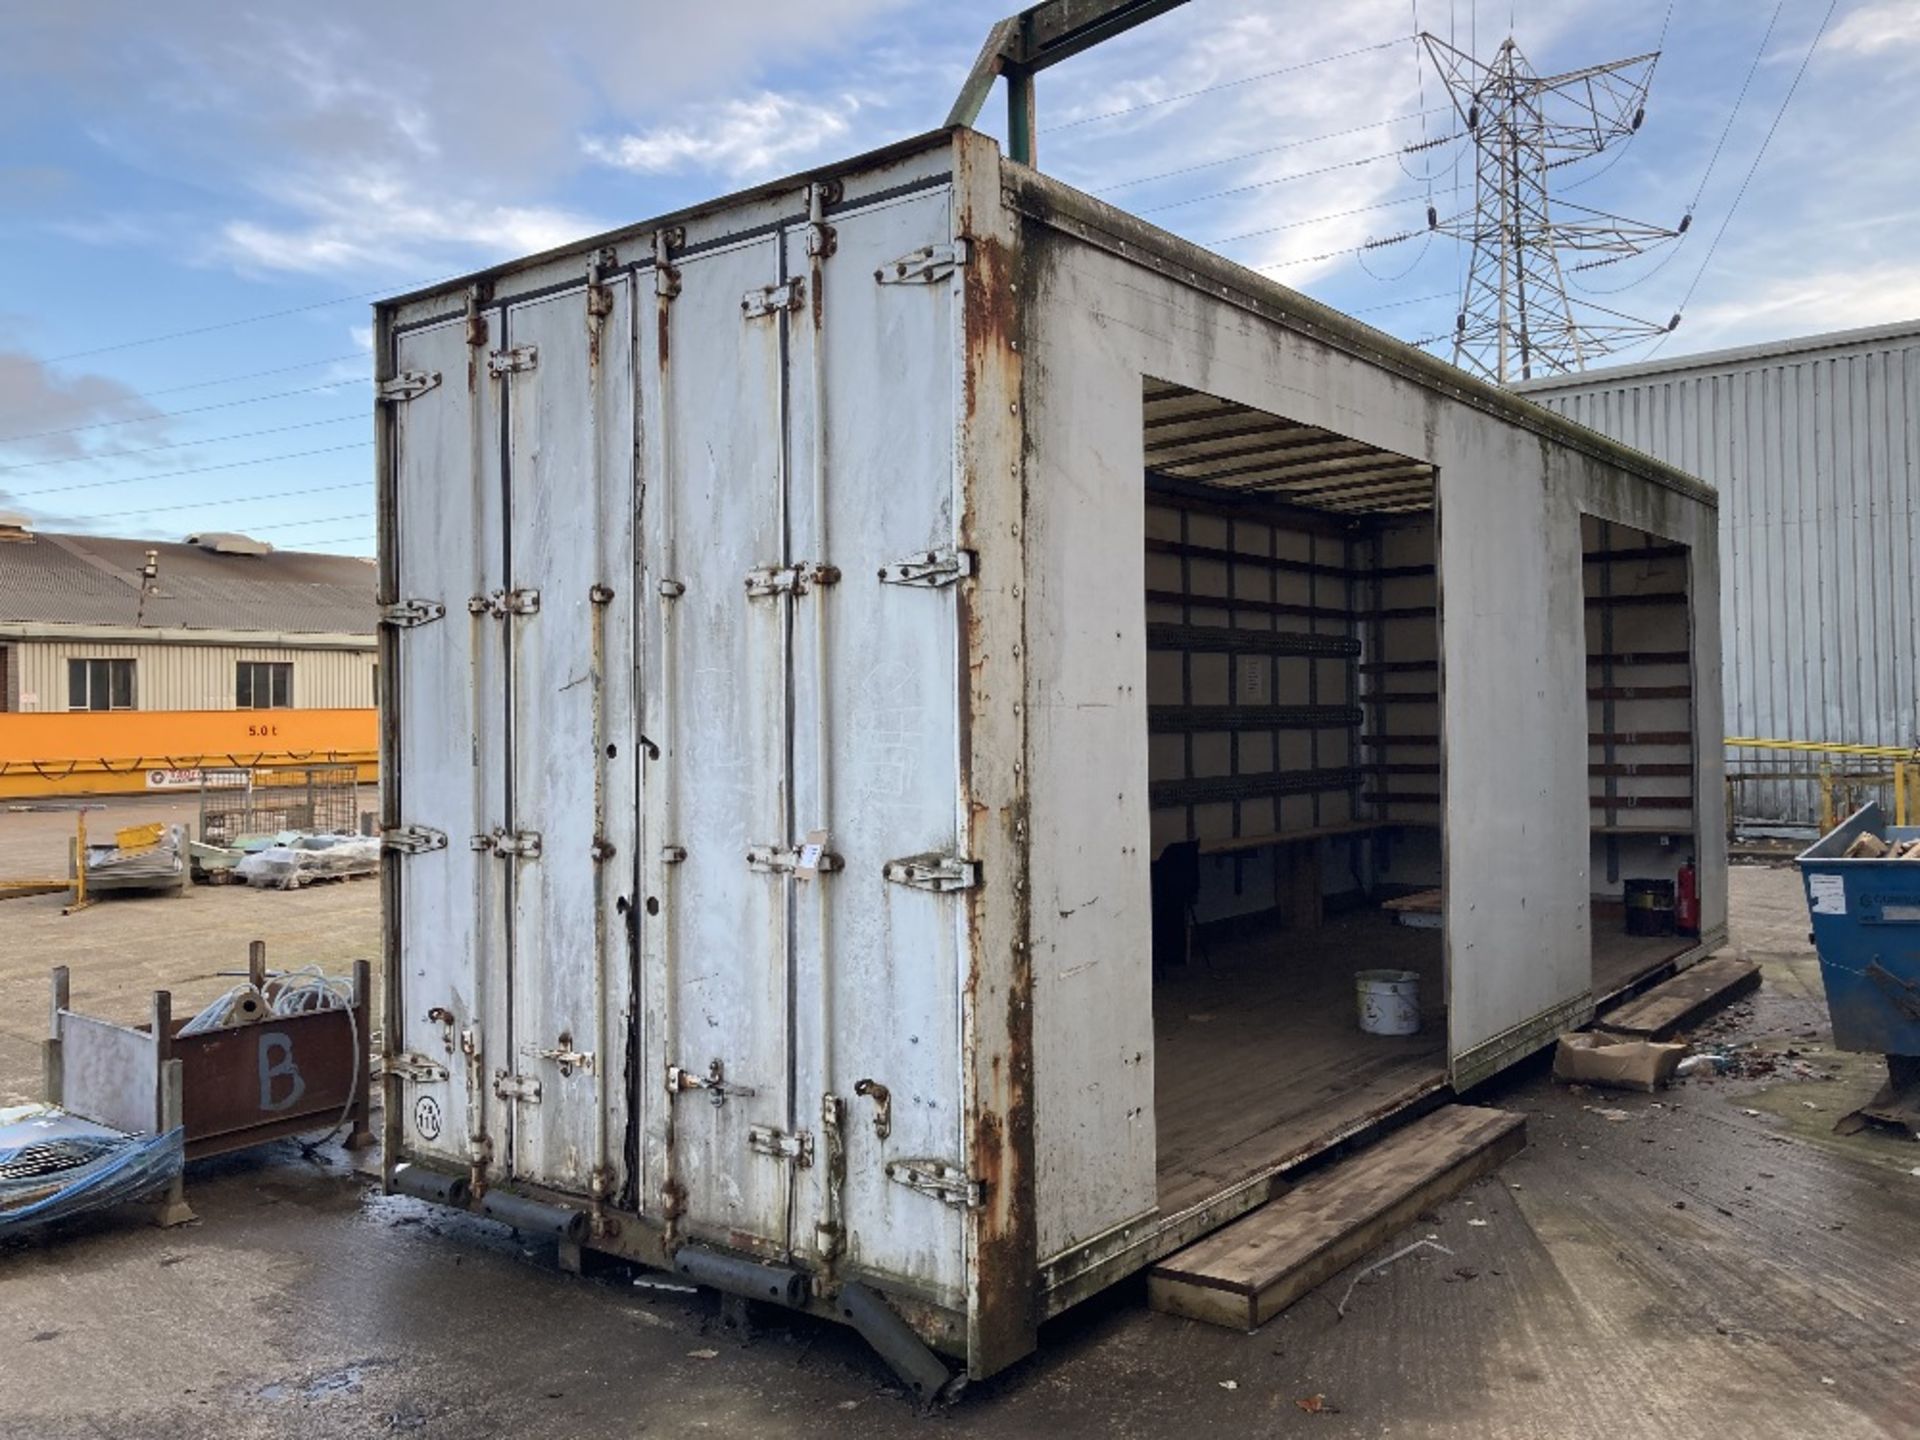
<point>756,135</point>
<point>362,336</point>
<point>1876,27</point>
<point>52,414</point>
<point>385,221</point>
<point>1809,303</point>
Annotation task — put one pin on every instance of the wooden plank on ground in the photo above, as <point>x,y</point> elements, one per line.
<point>1245,1274</point>
<point>1684,1000</point>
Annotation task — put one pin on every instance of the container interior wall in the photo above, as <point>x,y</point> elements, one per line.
<point>1402,743</point>
<point>1210,566</point>
<point>1639,705</point>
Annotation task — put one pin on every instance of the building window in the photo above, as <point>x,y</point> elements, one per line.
<point>99,684</point>
<point>264,685</point>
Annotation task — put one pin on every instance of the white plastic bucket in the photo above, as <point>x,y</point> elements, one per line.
<point>1389,1001</point>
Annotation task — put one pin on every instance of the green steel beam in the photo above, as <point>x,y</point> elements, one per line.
<point>1043,35</point>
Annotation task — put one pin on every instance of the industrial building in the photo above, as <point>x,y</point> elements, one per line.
<point>128,664</point>
<point>1814,446</point>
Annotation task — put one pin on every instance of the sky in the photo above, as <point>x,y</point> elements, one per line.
<point>199,202</point>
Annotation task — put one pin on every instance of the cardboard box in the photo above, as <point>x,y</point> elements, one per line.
<point>1585,1059</point>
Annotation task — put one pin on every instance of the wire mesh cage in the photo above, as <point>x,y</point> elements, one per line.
<point>318,799</point>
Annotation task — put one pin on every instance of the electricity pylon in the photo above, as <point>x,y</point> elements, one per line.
<point>1516,318</point>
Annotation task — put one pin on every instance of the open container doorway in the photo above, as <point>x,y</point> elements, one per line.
<point>1643,859</point>
<point>1293,711</point>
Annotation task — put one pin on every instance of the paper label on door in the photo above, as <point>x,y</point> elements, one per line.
<point>1828,894</point>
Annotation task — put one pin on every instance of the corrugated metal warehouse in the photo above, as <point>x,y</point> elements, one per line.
<point>1814,445</point>
<point>100,636</point>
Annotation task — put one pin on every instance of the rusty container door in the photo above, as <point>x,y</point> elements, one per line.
<point>445,781</point>
<point>715,1074</point>
<point>567,842</point>
<point>877,682</point>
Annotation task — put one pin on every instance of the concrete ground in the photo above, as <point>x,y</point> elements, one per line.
<point>1707,1262</point>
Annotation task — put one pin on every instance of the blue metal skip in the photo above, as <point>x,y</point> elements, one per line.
<point>1866,926</point>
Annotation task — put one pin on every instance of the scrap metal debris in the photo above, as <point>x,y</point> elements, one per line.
<point>53,1164</point>
<point>1340,1310</point>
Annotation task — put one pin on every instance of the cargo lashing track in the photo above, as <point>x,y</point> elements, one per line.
<point>924,1373</point>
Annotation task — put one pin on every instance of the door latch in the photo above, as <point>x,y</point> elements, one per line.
<point>771,299</point>
<point>520,357</point>
<point>925,265</point>
<point>524,843</point>
<point>502,603</point>
<point>882,1099</point>
<point>795,579</point>
<point>408,385</point>
<point>808,859</point>
<point>941,1179</point>
<point>564,1056</point>
<point>522,1088</point>
<point>941,873</point>
<point>714,1082</point>
<point>929,570</point>
<point>406,614</point>
<point>415,1067</point>
<point>412,839</point>
<point>766,1140</point>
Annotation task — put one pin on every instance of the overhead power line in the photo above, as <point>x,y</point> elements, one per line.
<point>179,444</point>
<point>1747,180</point>
<point>1223,85</point>
<point>231,504</point>
<point>146,394</point>
<point>317,520</point>
<point>1270,149</point>
<point>196,470</point>
<point>242,320</point>
<point>190,410</point>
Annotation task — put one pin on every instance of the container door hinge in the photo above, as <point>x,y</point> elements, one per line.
<point>925,265</point>
<point>943,1181</point>
<point>406,614</point>
<point>520,357</point>
<point>809,859</point>
<point>408,385</point>
<point>524,1088</point>
<point>942,873</point>
<point>768,1141</point>
<point>413,839</point>
<point>409,1065</point>
<point>502,603</point>
<point>771,299</point>
<point>794,579</point>
<point>930,570</point>
<point>524,843</point>
<point>714,1082</point>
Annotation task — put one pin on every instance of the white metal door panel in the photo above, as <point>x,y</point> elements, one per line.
<point>570,784</point>
<point>877,740</point>
<point>716,950</point>
<point>449,688</point>
<point>1514,774</point>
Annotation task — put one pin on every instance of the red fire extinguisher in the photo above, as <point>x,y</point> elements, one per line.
<point>1686,904</point>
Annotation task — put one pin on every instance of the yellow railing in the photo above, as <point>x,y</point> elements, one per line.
<point>1839,783</point>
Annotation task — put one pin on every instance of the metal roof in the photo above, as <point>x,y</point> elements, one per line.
<point>95,580</point>
<point>1198,437</point>
<point>1741,355</point>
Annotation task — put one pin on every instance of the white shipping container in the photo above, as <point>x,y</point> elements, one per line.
<point>818,619</point>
